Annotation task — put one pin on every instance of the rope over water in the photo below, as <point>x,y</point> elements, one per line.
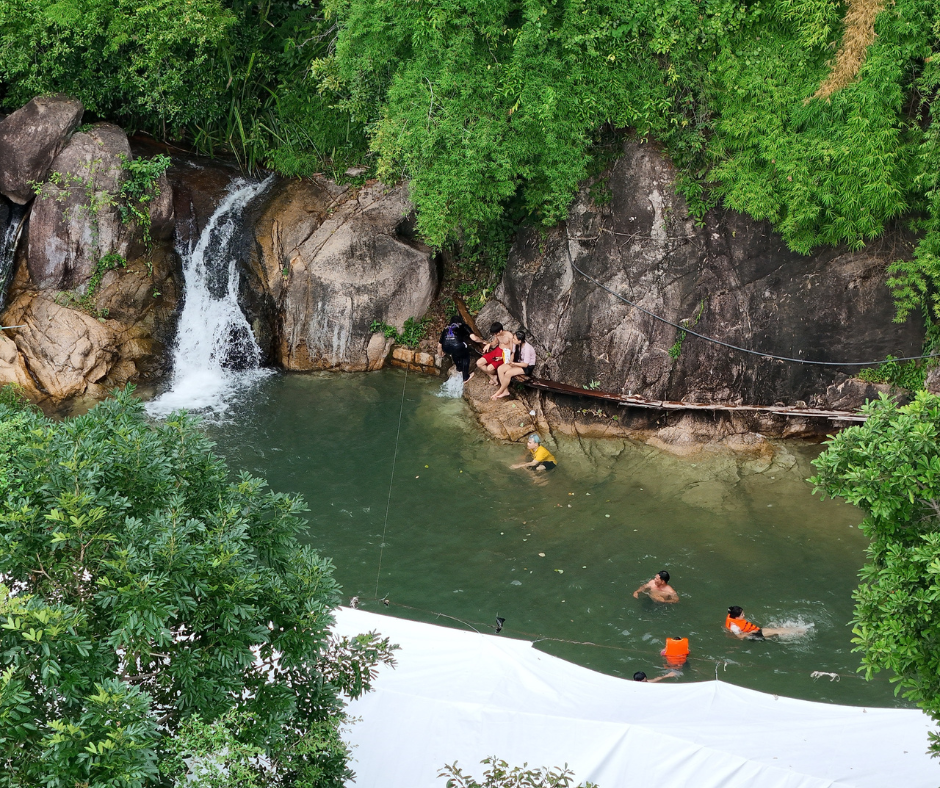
<point>391,480</point>
<point>534,638</point>
<point>769,356</point>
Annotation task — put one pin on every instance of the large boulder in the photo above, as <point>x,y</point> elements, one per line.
<point>65,350</point>
<point>76,219</point>
<point>332,259</point>
<point>732,278</point>
<point>77,341</point>
<point>30,139</point>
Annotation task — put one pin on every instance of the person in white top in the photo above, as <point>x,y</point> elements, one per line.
<point>522,363</point>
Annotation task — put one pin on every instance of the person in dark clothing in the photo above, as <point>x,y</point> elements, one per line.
<point>454,342</point>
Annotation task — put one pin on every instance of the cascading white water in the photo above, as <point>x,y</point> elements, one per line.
<point>216,354</point>
<point>8,243</point>
<point>452,388</point>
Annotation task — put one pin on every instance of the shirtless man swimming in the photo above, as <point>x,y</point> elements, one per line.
<point>659,589</point>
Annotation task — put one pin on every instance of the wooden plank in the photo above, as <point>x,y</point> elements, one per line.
<point>467,317</point>
<point>634,401</point>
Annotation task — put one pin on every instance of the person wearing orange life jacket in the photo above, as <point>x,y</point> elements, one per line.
<point>740,627</point>
<point>676,652</point>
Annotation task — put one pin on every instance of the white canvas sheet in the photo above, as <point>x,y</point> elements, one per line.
<point>461,696</point>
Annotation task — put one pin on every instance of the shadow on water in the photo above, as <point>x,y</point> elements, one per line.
<point>468,538</point>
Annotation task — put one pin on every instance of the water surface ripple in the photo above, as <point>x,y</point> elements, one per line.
<point>466,535</point>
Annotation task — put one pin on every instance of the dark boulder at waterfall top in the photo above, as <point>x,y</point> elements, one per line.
<point>732,279</point>
<point>30,139</point>
<point>331,260</point>
<point>75,220</point>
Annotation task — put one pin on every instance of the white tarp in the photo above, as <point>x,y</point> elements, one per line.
<point>461,696</point>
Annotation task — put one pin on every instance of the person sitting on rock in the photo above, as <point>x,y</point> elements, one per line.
<point>496,352</point>
<point>740,627</point>
<point>454,341</point>
<point>523,363</point>
<point>542,458</point>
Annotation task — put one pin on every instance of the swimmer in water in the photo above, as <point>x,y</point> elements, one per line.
<point>542,458</point>
<point>740,627</point>
<point>641,676</point>
<point>658,589</point>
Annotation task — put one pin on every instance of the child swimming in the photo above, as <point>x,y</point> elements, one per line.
<point>741,628</point>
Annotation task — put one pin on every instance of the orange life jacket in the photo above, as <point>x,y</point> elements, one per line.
<point>741,623</point>
<point>676,651</point>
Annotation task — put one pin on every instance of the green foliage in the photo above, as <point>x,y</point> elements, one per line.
<point>910,375</point>
<point>483,103</point>
<point>411,334</point>
<point>219,74</point>
<point>86,300</point>
<point>139,187</point>
<point>500,775</point>
<point>212,755</point>
<point>676,350</point>
<point>890,468</point>
<point>143,588</point>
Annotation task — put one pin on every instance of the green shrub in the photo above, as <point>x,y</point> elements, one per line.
<point>890,468</point>
<point>411,334</point>
<point>144,586</point>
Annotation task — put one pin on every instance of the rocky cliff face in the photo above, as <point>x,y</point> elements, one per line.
<point>75,219</point>
<point>332,259</point>
<point>321,262</point>
<point>75,337</point>
<point>732,279</point>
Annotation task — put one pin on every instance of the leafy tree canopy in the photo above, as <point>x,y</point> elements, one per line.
<point>221,74</point>
<point>890,468</point>
<point>477,101</point>
<point>146,593</point>
<point>813,114</point>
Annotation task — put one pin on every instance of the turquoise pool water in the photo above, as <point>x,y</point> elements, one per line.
<point>467,539</point>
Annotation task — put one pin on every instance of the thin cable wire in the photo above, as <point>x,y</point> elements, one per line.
<point>640,653</point>
<point>728,344</point>
<point>388,503</point>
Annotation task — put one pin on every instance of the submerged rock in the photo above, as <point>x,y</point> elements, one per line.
<point>30,139</point>
<point>331,260</point>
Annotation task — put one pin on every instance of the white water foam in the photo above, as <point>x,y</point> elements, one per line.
<point>216,355</point>
<point>8,244</point>
<point>452,388</point>
<point>799,628</point>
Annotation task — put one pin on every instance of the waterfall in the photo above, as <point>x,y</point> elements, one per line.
<point>216,355</point>
<point>8,242</point>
